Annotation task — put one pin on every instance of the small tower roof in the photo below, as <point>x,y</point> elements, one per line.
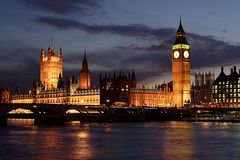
<point>85,56</point>
<point>180,39</point>
<point>133,75</point>
<point>180,31</point>
<point>85,63</point>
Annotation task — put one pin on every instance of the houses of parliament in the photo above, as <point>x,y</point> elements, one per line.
<point>51,90</point>
<point>114,89</point>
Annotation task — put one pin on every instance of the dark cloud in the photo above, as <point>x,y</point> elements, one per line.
<point>60,23</point>
<point>124,30</point>
<point>148,65</point>
<point>209,52</point>
<point>19,67</point>
<point>63,7</point>
<point>206,52</point>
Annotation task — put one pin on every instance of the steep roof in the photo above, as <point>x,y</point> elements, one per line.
<point>180,39</point>
<point>180,29</point>
<point>234,76</point>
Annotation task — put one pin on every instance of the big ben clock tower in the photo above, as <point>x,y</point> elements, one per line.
<point>181,69</point>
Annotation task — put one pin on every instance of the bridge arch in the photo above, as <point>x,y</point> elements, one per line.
<point>72,111</point>
<point>20,111</point>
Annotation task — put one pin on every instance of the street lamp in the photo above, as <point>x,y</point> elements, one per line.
<point>107,103</point>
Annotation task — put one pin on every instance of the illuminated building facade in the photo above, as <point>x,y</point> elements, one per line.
<point>116,89</point>
<point>85,77</point>
<point>5,95</point>
<point>175,93</point>
<point>50,68</point>
<point>51,89</point>
<point>60,96</point>
<point>181,69</point>
<point>226,89</point>
<point>160,96</point>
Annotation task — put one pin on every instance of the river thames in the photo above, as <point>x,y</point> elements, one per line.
<point>119,141</point>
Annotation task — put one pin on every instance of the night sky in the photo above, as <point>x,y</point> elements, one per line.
<point>117,34</point>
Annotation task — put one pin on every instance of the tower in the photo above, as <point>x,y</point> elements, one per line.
<point>197,79</point>
<point>50,68</point>
<point>209,77</point>
<point>181,68</point>
<point>5,95</point>
<point>85,78</point>
<point>133,80</point>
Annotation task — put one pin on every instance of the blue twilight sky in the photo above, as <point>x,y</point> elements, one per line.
<point>117,34</point>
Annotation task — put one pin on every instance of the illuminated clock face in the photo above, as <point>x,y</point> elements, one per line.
<point>176,54</point>
<point>186,54</point>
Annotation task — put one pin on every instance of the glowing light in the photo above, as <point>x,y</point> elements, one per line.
<point>93,111</point>
<point>72,111</point>
<point>206,125</point>
<point>83,135</point>
<point>20,111</point>
<point>181,46</point>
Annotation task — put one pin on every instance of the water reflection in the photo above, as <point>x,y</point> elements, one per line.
<point>50,144</point>
<point>82,148</point>
<point>178,141</point>
<point>152,140</point>
<point>66,144</point>
<point>20,122</point>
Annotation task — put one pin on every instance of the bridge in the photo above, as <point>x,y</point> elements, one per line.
<point>59,114</point>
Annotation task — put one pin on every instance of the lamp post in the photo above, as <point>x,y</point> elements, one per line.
<point>107,103</point>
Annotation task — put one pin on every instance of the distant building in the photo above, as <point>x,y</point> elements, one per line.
<point>51,89</point>
<point>50,68</point>
<point>181,69</point>
<point>176,93</point>
<point>160,96</point>
<point>121,90</point>
<point>5,95</point>
<point>226,89</point>
<point>116,88</point>
<point>201,91</point>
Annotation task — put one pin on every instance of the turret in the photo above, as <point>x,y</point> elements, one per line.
<point>50,68</point>
<point>42,54</point>
<point>85,63</point>
<point>100,77</point>
<point>181,68</point>
<point>133,80</point>
<point>85,78</point>
<point>180,31</point>
<point>60,81</point>
<point>180,36</point>
<point>71,86</point>
<point>60,53</point>
<point>5,95</point>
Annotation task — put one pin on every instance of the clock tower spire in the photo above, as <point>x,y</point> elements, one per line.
<point>181,68</point>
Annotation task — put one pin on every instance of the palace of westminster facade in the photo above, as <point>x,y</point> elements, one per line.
<point>116,89</point>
